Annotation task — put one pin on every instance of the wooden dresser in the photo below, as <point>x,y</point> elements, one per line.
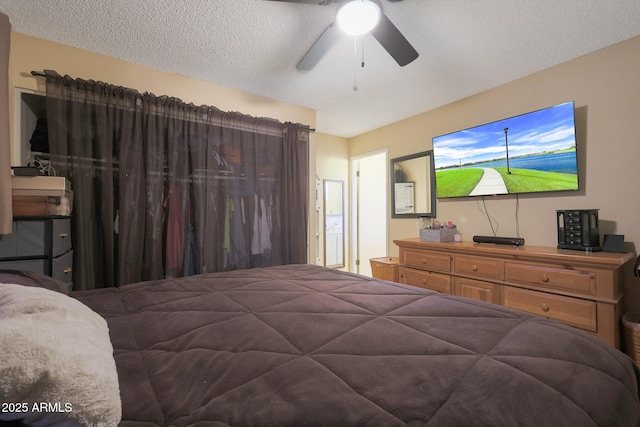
<point>581,289</point>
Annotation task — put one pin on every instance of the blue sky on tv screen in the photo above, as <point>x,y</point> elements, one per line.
<point>540,131</point>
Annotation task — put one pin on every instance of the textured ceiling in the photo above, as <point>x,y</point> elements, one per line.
<point>465,47</point>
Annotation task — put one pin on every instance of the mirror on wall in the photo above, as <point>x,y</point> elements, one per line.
<point>333,223</point>
<point>413,190</point>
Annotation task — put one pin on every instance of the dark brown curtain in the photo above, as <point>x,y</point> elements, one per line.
<point>166,189</point>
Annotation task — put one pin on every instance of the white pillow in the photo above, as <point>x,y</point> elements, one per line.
<point>56,361</point>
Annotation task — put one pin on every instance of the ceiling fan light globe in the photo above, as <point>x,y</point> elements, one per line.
<point>358,17</point>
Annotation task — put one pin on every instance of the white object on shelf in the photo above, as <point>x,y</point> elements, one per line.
<point>54,186</point>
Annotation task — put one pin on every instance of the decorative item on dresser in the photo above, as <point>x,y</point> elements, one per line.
<point>41,244</point>
<point>581,289</point>
<point>578,229</point>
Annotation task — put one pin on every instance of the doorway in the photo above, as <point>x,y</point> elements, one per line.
<point>369,209</point>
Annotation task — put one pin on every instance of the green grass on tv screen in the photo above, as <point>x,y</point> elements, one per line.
<point>461,182</point>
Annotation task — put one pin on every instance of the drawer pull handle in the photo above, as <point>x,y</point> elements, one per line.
<point>63,235</point>
<point>545,278</point>
<point>544,306</point>
<point>474,267</point>
<point>424,260</point>
<point>67,270</point>
<point>424,281</point>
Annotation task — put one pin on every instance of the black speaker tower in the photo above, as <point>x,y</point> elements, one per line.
<point>578,229</point>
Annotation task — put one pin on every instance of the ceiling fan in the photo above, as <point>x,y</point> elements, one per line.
<point>384,31</point>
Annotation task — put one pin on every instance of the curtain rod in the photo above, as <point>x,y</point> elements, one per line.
<point>38,74</point>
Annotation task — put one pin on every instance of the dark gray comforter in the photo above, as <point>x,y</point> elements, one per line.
<point>308,346</point>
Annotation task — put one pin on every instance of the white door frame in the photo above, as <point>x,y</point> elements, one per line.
<point>354,203</point>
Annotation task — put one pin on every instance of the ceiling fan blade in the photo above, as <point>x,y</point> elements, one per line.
<point>319,48</point>
<point>394,42</point>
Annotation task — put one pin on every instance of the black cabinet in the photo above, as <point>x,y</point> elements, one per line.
<point>39,244</point>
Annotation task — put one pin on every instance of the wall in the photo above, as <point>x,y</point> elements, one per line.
<point>606,89</point>
<point>332,162</point>
<point>33,54</point>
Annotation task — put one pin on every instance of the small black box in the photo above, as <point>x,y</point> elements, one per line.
<point>613,243</point>
<point>25,171</point>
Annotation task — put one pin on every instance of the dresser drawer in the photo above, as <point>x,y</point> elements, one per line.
<point>479,267</point>
<point>476,289</point>
<point>37,237</point>
<point>8,244</point>
<point>62,267</point>
<point>572,311</point>
<point>555,278</point>
<point>60,236</point>
<point>426,279</point>
<point>38,265</point>
<point>28,239</point>
<point>428,260</point>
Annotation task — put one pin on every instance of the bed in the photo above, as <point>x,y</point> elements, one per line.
<point>302,345</point>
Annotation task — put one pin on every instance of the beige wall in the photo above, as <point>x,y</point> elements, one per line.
<point>605,86</point>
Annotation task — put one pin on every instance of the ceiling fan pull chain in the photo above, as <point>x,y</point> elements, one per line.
<point>355,67</point>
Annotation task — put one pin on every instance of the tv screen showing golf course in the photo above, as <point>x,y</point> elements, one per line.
<point>530,153</point>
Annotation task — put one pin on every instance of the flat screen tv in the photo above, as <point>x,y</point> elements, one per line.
<point>530,153</point>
